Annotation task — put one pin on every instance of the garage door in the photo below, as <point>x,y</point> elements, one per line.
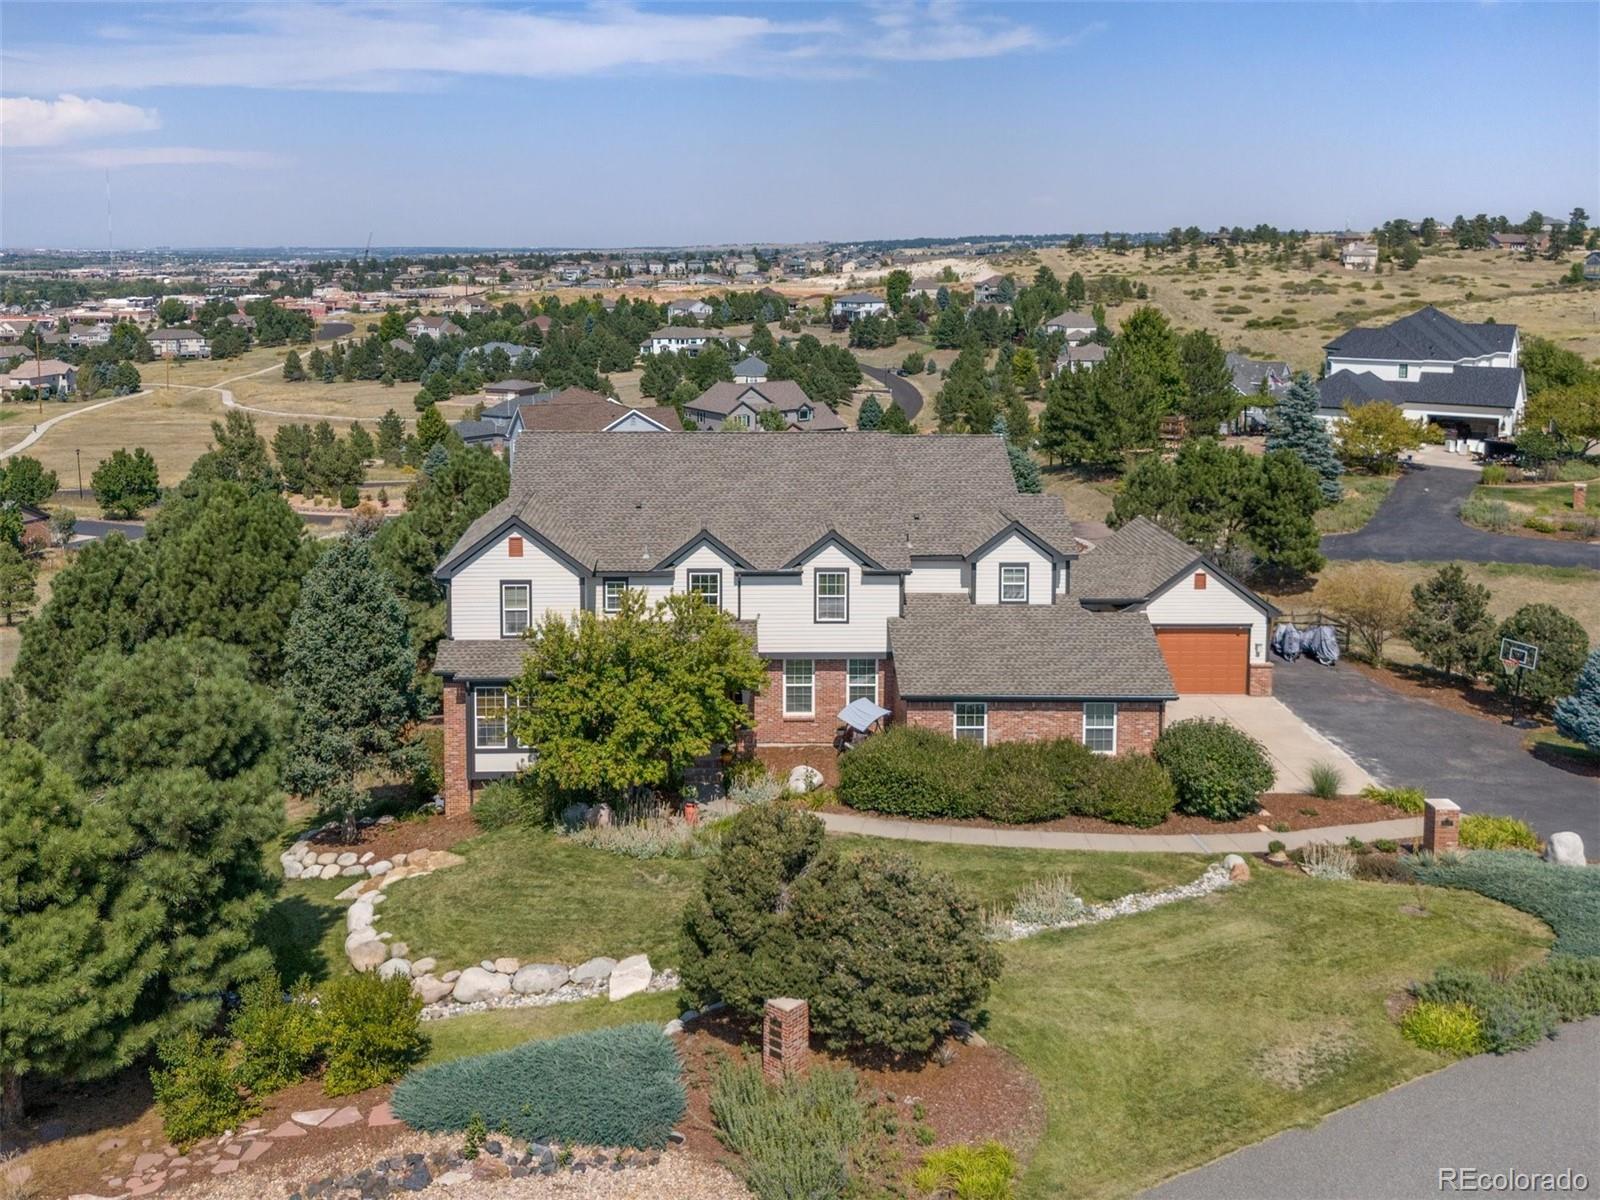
<point>1206,660</point>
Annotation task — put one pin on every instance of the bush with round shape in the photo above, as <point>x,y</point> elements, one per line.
<point>1452,1029</point>
<point>196,1089</point>
<point>909,772</point>
<point>1014,783</point>
<point>1563,646</point>
<point>1218,771</point>
<point>1132,789</point>
<point>371,1031</point>
<point>278,1036</point>
<point>1484,831</point>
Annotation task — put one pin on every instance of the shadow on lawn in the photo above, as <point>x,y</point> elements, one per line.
<point>294,929</point>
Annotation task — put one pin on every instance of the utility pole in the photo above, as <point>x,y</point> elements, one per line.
<point>77,454</point>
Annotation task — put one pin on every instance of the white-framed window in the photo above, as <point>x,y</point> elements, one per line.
<point>972,721</point>
<point>611,594</point>
<point>1405,370</point>
<point>833,595</point>
<point>516,603</point>
<point>491,718</point>
<point>799,687</point>
<point>708,586</point>
<point>861,679</point>
<point>1013,583</point>
<point>1100,726</point>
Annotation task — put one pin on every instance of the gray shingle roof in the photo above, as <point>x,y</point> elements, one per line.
<point>1476,387</point>
<point>626,504</point>
<point>589,415</point>
<point>750,366</point>
<point>478,431</point>
<point>722,397</point>
<point>1131,563</point>
<point>946,646</point>
<point>1427,335</point>
<point>1071,320</point>
<point>500,658</point>
<point>1249,372</point>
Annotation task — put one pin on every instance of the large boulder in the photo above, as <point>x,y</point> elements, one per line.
<point>395,968</point>
<point>431,989</point>
<point>804,779</point>
<point>365,952</point>
<point>536,978</point>
<point>596,970</point>
<point>347,859</point>
<point>477,984</point>
<point>1565,849</point>
<point>630,976</point>
<point>358,916</point>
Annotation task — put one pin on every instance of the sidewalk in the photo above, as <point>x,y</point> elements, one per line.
<point>1146,843</point>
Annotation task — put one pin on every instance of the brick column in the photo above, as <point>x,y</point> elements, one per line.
<point>785,1038</point>
<point>457,789</point>
<point>1441,825</point>
<point>1260,681</point>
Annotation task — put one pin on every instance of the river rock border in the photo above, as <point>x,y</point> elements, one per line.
<point>1232,869</point>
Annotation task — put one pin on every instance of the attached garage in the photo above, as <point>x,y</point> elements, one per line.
<point>1206,659</point>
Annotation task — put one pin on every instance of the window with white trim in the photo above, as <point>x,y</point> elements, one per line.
<point>491,718</point>
<point>1013,583</point>
<point>611,594</point>
<point>799,687</point>
<point>1100,726</point>
<point>1405,370</point>
<point>516,603</point>
<point>833,595</point>
<point>708,586</point>
<point>972,721</point>
<point>861,681</point>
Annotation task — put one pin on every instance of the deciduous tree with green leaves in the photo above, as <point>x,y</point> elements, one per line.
<point>1374,435</point>
<point>1450,624</point>
<point>24,480</point>
<point>1563,646</point>
<point>126,484</point>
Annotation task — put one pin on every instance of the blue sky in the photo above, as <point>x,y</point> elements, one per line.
<point>518,124</point>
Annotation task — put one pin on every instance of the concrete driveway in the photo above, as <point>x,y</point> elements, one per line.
<point>1531,1112</point>
<point>1293,744</point>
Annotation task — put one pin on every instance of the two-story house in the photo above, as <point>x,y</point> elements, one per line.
<point>434,327</point>
<point>697,310</point>
<point>1438,370</point>
<point>1077,327</point>
<point>741,404</point>
<point>855,305</point>
<point>908,571</point>
<point>179,343</point>
<point>676,339</point>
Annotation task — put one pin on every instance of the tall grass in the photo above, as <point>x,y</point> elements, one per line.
<point>796,1139</point>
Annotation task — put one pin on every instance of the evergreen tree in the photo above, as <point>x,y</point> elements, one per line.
<point>870,415</point>
<point>348,670</point>
<point>431,430</point>
<point>895,420</point>
<point>1280,517</point>
<point>126,484</point>
<point>1293,426</point>
<point>1210,400</point>
<point>16,582</point>
<point>361,444</point>
<point>1023,470</point>
<point>238,454</point>
<point>293,370</point>
<point>391,438</point>
<point>1450,624</point>
<point>1563,648</point>
<point>1076,292</point>
<point>1064,393</point>
<point>25,481</point>
<point>291,446</point>
<point>1578,715</point>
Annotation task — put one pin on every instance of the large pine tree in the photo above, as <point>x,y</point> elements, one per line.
<point>1450,624</point>
<point>1294,427</point>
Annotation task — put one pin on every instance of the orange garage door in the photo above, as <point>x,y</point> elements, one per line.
<point>1206,660</point>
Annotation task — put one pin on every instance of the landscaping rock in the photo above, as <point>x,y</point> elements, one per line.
<point>351,892</point>
<point>366,858</point>
<point>575,816</point>
<point>423,966</point>
<point>1238,869</point>
<point>1565,849</point>
<point>398,860</point>
<point>596,970</point>
<point>538,977</point>
<point>347,859</point>
<point>804,779</point>
<point>287,1130</point>
<point>352,870</point>
<point>477,984</point>
<point>365,952</point>
<point>313,1116</point>
<point>382,867</point>
<point>630,976</point>
<point>382,1115</point>
<point>292,869</point>
<point>345,1116</point>
<point>450,976</point>
<point>507,966</point>
<point>327,858</point>
<point>672,1028</point>
<point>430,989</point>
<point>395,968</point>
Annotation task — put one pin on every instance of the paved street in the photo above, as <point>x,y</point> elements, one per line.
<point>900,388</point>
<point>1403,742</point>
<point>1536,1111</point>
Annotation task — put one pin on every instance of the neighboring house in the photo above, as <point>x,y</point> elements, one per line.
<point>434,327</point>
<point>676,339</point>
<point>1249,374</point>
<point>513,350</point>
<point>906,571</point>
<point>577,411</point>
<point>542,323</point>
<point>1084,357</point>
<point>15,328</point>
<point>1076,326</point>
<point>1359,256</point>
<point>743,403</point>
<point>1591,267</point>
<point>35,523</point>
<point>751,370</point>
<point>1519,242</point>
<point>480,433</point>
<point>88,335</point>
<point>991,290</point>
<point>242,321</point>
<point>42,375</point>
<point>856,305</point>
<point>698,310</point>
<point>509,394</point>
<point>928,287</point>
<point>179,343</point>
<point>1463,377</point>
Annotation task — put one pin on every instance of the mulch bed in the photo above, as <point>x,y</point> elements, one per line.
<point>1276,808</point>
<point>436,832</point>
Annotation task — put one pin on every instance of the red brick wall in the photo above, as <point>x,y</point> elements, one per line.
<point>1260,679</point>
<point>786,742</point>
<point>1138,723</point>
<point>457,793</point>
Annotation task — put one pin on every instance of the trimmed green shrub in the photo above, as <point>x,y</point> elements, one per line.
<point>1570,986</point>
<point>1482,831</point>
<point>371,1031</point>
<point>968,1172</point>
<point>1023,782</point>
<point>349,497</point>
<point>796,1139</point>
<point>1453,1029</point>
<point>1521,1011</point>
<point>621,1086</point>
<point>1494,473</point>
<point>909,772</point>
<point>1131,789</point>
<point>507,802</point>
<point>278,1035</point>
<point>1565,898</point>
<point>1219,771</point>
<point>1407,800</point>
<point>196,1089</point>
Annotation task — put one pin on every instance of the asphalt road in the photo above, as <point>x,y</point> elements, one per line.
<point>1536,1111</point>
<point>1404,742</point>
<point>1419,522</point>
<point>91,527</point>
<point>900,389</point>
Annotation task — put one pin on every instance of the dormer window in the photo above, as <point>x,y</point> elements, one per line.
<point>1013,583</point>
<point>515,607</point>
<point>832,596</point>
<point>805,412</point>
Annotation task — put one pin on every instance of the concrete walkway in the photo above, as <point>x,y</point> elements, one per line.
<point>1145,843</point>
<point>1293,745</point>
<point>44,427</point>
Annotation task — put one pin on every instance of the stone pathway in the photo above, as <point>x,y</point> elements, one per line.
<point>1148,843</point>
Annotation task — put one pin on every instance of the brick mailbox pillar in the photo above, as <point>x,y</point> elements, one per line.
<point>1441,825</point>
<point>785,1038</point>
<point>1580,497</point>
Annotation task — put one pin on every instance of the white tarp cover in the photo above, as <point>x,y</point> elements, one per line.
<point>860,714</point>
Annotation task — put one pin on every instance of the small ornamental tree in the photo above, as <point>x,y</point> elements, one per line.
<point>1293,426</point>
<point>870,415</point>
<point>630,700</point>
<point>1578,715</point>
<point>1371,598</point>
<point>126,484</point>
<point>1563,647</point>
<point>1373,436</point>
<point>1450,625</point>
<point>895,420</point>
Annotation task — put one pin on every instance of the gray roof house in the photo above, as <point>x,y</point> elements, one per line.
<point>743,403</point>
<point>750,370</point>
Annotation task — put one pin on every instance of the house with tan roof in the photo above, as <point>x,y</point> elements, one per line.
<point>741,404</point>
<point>42,375</point>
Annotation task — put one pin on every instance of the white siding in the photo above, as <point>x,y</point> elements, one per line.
<point>1215,604</point>
<point>784,607</point>
<point>704,558</point>
<point>938,575</point>
<point>1015,549</point>
<point>475,589</point>
<point>489,761</point>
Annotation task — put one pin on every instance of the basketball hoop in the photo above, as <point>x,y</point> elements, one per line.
<point>1517,658</point>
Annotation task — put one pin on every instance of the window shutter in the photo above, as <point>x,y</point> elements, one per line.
<point>514,546</point>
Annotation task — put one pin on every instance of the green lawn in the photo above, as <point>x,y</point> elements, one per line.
<point>1544,498</point>
<point>482,1032</point>
<point>305,929</point>
<point>1148,1033</point>
<point>1362,496</point>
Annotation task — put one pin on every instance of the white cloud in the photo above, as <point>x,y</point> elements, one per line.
<point>168,156</point>
<point>25,121</point>
<point>399,47</point>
